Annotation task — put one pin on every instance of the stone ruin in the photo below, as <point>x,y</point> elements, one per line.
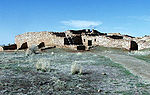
<point>9,47</point>
<point>1,48</point>
<point>78,40</point>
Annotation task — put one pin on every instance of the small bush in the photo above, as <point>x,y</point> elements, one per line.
<point>52,53</point>
<point>33,49</point>
<point>43,64</point>
<point>59,85</point>
<point>76,68</point>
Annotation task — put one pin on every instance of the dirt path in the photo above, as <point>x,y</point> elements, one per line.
<point>136,66</point>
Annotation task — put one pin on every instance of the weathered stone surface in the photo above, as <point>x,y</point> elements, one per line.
<point>106,42</point>
<point>143,42</point>
<point>74,38</point>
<point>10,47</point>
<point>36,38</point>
<point>1,48</point>
<point>111,34</point>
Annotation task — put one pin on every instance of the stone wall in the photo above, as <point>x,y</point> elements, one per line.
<point>1,48</point>
<point>110,34</point>
<point>70,39</point>
<point>107,42</point>
<point>36,38</point>
<point>143,42</point>
<point>10,47</point>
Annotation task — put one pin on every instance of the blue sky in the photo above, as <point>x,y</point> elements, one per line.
<point>125,16</point>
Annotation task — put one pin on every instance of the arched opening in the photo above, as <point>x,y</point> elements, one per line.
<point>24,46</point>
<point>133,46</point>
<point>42,44</point>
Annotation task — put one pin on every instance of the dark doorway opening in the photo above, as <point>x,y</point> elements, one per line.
<point>76,40</point>
<point>133,46</point>
<point>89,42</point>
<point>80,47</point>
<point>42,44</point>
<point>68,41</point>
<point>24,46</point>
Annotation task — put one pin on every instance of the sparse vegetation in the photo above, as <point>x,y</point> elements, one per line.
<point>32,50</point>
<point>100,76</point>
<point>43,64</point>
<point>76,68</point>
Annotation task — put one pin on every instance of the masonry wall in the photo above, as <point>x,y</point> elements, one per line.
<point>51,39</point>
<point>1,48</point>
<point>36,38</point>
<point>106,42</point>
<point>10,47</point>
<point>143,42</point>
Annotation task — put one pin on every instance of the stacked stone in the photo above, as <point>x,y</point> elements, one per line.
<point>1,48</point>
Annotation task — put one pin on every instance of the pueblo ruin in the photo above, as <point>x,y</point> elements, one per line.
<point>78,40</point>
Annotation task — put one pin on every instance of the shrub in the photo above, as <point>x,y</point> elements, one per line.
<point>52,53</point>
<point>58,84</point>
<point>33,49</point>
<point>76,68</point>
<point>43,64</point>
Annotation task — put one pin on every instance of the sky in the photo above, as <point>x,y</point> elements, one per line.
<point>131,17</point>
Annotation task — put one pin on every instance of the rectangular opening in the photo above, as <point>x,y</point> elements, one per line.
<point>89,42</point>
<point>66,41</point>
<point>76,40</point>
<point>80,47</point>
<point>133,46</point>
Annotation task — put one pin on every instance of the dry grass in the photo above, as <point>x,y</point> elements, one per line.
<point>43,64</point>
<point>76,68</point>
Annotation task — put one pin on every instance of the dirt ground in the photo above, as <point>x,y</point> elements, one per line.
<point>136,66</point>
<point>100,76</point>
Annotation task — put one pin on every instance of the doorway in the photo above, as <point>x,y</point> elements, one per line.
<point>133,46</point>
<point>89,42</point>
<point>42,44</point>
<point>24,46</point>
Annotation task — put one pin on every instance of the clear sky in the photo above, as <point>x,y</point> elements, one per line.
<point>130,17</point>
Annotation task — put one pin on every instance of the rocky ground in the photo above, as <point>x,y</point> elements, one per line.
<point>100,76</point>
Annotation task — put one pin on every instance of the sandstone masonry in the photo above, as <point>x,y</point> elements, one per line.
<point>1,48</point>
<point>78,39</point>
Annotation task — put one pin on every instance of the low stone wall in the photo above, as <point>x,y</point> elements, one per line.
<point>1,48</point>
<point>10,47</point>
